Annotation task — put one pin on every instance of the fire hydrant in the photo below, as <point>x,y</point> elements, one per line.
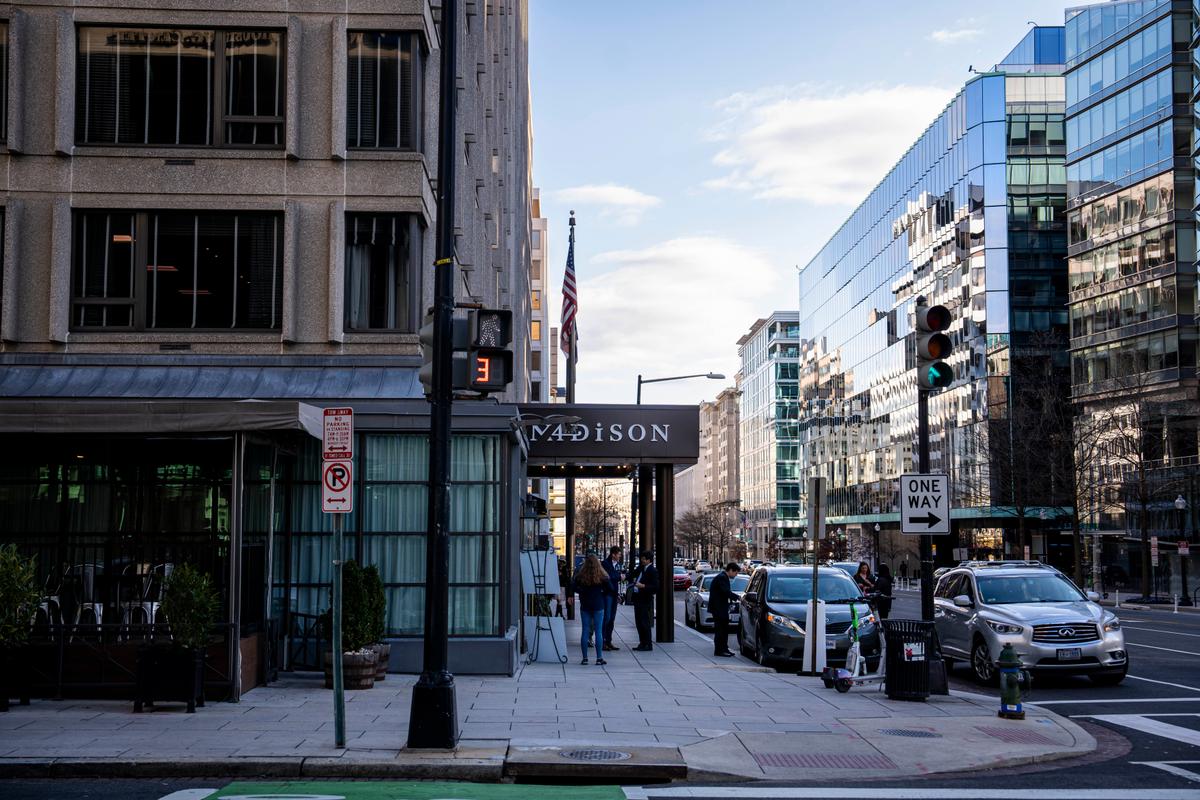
<point>1012,680</point>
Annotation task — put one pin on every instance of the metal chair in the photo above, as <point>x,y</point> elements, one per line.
<point>49,610</point>
<point>84,575</point>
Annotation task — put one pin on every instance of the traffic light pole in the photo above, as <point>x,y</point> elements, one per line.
<point>926,540</point>
<point>433,714</point>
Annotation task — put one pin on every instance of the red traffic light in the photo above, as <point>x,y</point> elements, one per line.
<point>931,319</point>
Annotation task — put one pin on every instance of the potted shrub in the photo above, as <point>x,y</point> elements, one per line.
<point>358,657</point>
<point>175,670</point>
<point>19,597</point>
<point>377,598</point>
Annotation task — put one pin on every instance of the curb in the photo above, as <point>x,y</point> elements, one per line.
<point>477,771</point>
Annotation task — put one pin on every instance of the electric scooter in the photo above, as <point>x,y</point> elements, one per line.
<point>855,672</point>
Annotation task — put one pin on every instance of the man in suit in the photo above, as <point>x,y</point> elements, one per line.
<point>612,565</point>
<point>644,588</point>
<point>720,595</point>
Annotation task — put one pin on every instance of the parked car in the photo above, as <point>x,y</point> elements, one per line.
<point>702,568</point>
<point>1051,624</point>
<point>771,620</point>
<point>682,579</point>
<point>695,605</point>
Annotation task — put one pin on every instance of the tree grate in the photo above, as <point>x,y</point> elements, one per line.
<point>595,755</point>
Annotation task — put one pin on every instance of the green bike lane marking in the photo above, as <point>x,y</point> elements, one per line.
<point>409,790</point>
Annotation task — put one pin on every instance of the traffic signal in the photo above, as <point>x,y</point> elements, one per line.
<point>933,348</point>
<point>459,344</point>
<point>489,359</point>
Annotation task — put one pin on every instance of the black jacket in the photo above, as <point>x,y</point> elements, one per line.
<point>591,598</point>
<point>614,574</point>
<point>720,595</point>
<point>647,575</point>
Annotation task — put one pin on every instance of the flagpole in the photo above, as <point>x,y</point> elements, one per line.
<point>572,357</point>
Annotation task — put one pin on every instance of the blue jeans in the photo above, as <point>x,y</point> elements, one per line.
<point>593,623</point>
<point>610,618</point>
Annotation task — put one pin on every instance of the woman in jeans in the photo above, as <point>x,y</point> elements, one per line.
<point>592,585</point>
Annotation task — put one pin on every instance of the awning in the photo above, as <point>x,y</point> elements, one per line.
<point>157,416</point>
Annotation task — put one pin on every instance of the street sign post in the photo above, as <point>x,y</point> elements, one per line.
<point>1154,551</point>
<point>337,498</point>
<point>1184,549</point>
<point>816,532</point>
<point>924,504</point>
<point>816,509</point>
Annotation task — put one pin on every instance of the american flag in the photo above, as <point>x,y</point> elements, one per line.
<point>570,302</point>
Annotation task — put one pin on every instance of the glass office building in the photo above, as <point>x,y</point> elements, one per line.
<point>1132,261</point>
<point>973,218</point>
<point>767,417</point>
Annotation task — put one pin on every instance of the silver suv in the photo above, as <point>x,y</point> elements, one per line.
<point>981,606</point>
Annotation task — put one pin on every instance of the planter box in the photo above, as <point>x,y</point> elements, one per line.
<point>383,654</point>
<point>166,672</point>
<point>358,670</point>
<point>14,677</point>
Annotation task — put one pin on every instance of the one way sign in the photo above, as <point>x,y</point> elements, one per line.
<point>924,504</point>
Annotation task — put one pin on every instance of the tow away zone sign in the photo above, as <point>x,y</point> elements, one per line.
<point>924,504</point>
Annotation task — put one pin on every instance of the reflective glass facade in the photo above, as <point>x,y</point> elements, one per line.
<point>1132,253</point>
<point>972,217</point>
<point>768,416</point>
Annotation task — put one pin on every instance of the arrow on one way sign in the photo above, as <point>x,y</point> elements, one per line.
<point>929,519</point>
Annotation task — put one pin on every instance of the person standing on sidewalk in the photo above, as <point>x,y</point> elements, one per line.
<point>883,585</point>
<point>644,588</point>
<point>720,595</point>
<point>593,587</point>
<point>612,565</point>
<point>863,578</point>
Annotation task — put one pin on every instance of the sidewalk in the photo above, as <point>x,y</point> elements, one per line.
<point>674,712</point>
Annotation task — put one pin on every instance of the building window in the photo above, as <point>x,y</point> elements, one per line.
<point>382,284</point>
<point>536,299</point>
<point>142,270</point>
<point>535,330</point>
<point>151,86</point>
<point>384,81</point>
<point>535,360</point>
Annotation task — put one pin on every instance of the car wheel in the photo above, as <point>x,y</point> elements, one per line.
<point>687,618</point>
<point>760,654</point>
<point>982,666</point>
<point>1109,678</point>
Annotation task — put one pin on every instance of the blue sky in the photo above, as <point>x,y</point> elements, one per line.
<point>709,148</point>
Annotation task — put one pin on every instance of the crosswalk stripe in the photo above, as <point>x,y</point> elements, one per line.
<point>1173,768</point>
<point>1164,683</point>
<point>190,794</point>
<point>1143,723</point>
<point>1125,700</point>
<point>897,793</point>
<point>1167,649</point>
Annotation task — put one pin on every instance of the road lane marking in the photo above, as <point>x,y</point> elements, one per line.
<point>1164,683</point>
<point>1173,768</point>
<point>1099,701</point>
<point>1143,723</point>
<point>1156,630</point>
<point>190,794</point>
<point>896,793</point>
<point>1165,649</point>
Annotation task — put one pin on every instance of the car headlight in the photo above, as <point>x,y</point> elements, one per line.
<point>1003,627</point>
<point>1112,624</point>
<point>784,622</point>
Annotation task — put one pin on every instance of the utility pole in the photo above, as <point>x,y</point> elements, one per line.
<point>433,713</point>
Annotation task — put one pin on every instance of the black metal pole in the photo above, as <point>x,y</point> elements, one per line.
<point>927,540</point>
<point>1186,600</point>
<point>634,547</point>
<point>664,535</point>
<point>433,713</point>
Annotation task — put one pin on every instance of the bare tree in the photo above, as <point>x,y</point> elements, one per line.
<point>599,517</point>
<point>707,530</point>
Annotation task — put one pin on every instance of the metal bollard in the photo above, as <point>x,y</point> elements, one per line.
<point>1175,610</point>
<point>1118,598</point>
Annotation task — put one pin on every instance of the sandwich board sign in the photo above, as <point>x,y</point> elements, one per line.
<point>924,504</point>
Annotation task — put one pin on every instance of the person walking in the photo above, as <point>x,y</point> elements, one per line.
<point>883,585</point>
<point>720,595</point>
<point>612,566</point>
<point>904,570</point>
<point>644,588</point>
<point>593,587</point>
<point>863,578</point>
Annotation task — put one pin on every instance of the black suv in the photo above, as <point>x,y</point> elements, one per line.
<point>773,607</point>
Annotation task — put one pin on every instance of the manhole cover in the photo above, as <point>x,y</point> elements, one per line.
<point>594,755</point>
<point>910,733</point>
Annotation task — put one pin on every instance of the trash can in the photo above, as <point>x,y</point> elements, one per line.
<point>909,648</point>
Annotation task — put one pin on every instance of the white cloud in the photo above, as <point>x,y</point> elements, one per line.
<point>622,205</point>
<point>948,36</point>
<point>678,306</point>
<point>818,144</point>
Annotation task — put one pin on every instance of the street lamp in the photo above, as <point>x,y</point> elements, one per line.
<point>875,552</point>
<point>633,529</point>
<point>1181,507</point>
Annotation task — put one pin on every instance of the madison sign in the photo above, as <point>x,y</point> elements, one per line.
<point>611,434</point>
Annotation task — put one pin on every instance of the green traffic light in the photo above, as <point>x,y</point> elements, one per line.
<point>939,375</point>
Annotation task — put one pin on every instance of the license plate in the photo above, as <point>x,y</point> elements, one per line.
<point>1069,654</point>
<point>830,641</point>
